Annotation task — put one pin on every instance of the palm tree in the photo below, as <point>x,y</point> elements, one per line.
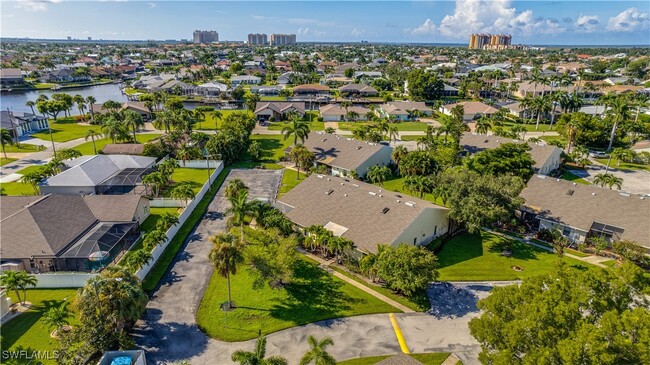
<point>419,184</point>
<point>91,100</point>
<point>81,103</point>
<point>33,178</point>
<point>317,353</point>
<point>183,192</point>
<point>5,139</point>
<point>542,106</point>
<point>393,133</point>
<point>155,181</point>
<point>608,180</point>
<point>352,116</point>
<point>239,210</point>
<point>113,129</point>
<point>166,221</point>
<point>138,259</point>
<point>57,317</point>
<point>483,125</point>
<point>31,104</point>
<point>302,157</point>
<point>216,115</point>
<point>297,129</point>
<point>398,153</point>
<point>257,357</point>
<point>251,101</point>
<point>225,256</point>
<point>378,174</point>
<point>92,134</point>
<point>134,121</point>
<point>17,281</point>
<point>620,112</point>
<point>234,187</point>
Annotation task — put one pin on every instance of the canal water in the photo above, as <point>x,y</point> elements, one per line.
<point>15,101</point>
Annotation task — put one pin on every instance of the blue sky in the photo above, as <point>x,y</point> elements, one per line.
<point>529,22</point>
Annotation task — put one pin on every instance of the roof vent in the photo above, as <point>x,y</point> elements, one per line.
<point>410,204</point>
<point>594,194</point>
<point>558,180</point>
<point>345,194</point>
<point>342,183</point>
<point>385,210</point>
<point>324,139</point>
<point>399,201</point>
<point>486,141</point>
<point>372,193</point>
<point>397,195</point>
<point>355,185</point>
<point>321,176</point>
<point>575,184</point>
<point>358,147</point>
<point>329,192</point>
<point>624,194</point>
<point>569,192</point>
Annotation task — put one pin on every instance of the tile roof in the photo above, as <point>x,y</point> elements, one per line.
<point>354,208</point>
<point>342,152</point>
<point>280,106</point>
<point>474,143</point>
<point>336,109</point>
<point>473,107</point>
<point>401,107</point>
<point>92,170</point>
<point>579,206</point>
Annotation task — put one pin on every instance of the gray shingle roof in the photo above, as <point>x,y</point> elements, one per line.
<point>92,170</point>
<point>338,151</point>
<point>551,199</point>
<point>354,205</point>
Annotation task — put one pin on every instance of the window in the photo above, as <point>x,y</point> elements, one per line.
<point>566,231</point>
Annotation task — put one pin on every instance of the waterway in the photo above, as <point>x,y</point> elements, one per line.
<point>15,101</point>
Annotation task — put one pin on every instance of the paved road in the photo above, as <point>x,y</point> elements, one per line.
<point>634,181</point>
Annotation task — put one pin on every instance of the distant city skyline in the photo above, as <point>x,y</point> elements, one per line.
<point>529,22</point>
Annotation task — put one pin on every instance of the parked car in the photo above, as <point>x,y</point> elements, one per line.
<point>598,154</point>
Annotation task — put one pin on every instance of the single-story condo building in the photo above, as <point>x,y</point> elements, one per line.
<point>357,90</point>
<point>403,110</point>
<point>279,110</point>
<point>472,109</point>
<point>20,124</point>
<point>336,113</point>
<point>547,157</point>
<point>136,106</point>
<point>244,80</point>
<point>311,90</point>
<point>68,233</point>
<point>582,211</point>
<point>342,155</point>
<point>364,213</point>
<point>100,174</point>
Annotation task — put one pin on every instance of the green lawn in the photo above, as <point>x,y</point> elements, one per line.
<point>623,165</point>
<point>16,188</point>
<point>27,331</point>
<point>396,185</point>
<point>609,263</point>
<point>183,175</point>
<point>44,85</point>
<point>419,302</point>
<point>435,358</point>
<point>24,148</point>
<point>273,146</point>
<point>568,175</point>
<point>410,138</point>
<point>313,295</point>
<point>401,126</point>
<point>63,130</point>
<point>314,125</point>
<point>549,139</point>
<point>478,257</point>
<point>289,180</point>
<point>29,169</point>
<point>273,98</point>
<point>530,127</point>
<point>211,123</point>
<point>158,271</point>
<point>87,148</point>
<point>4,161</point>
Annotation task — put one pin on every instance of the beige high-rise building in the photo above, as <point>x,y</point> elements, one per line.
<point>205,36</point>
<point>282,39</point>
<point>482,41</point>
<point>257,39</point>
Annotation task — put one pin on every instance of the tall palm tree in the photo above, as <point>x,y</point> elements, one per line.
<point>216,115</point>
<point>619,111</point>
<point>239,210</point>
<point>483,125</point>
<point>183,192</point>
<point>5,139</point>
<point>31,104</point>
<point>225,256</point>
<point>398,153</point>
<point>317,353</point>
<point>91,100</point>
<point>297,129</point>
<point>33,178</point>
<point>57,317</point>
<point>257,357</point>
<point>134,121</point>
<point>608,180</point>
<point>113,129</point>
<point>92,134</point>
<point>542,106</point>
<point>18,281</point>
<point>139,258</point>
<point>81,103</point>
<point>234,187</point>
<point>393,133</point>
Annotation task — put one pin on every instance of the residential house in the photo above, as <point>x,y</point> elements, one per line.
<point>100,174</point>
<point>68,233</point>
<point>530,89</point>
<point>64,75</point>
<point>244,80</point>
<point>11,76</point>
<point>363,213</point>
<point>266,90</point>
<point>514,108</point>
<point>358,90</point>
<point>367,74</point>
<point>285,78</point>
<point>403,110</point>
<point>19,124</point>
<point>336,113</point>
<point>311,90</point>
<point>449,91</point>
<point>473,109</point>
<point>211,89</point>
<point>581,211</point>
<point>134,149</point>
<point>342,155</point>
<point>547,157</point>
<point>136,106</point>
<point>265,110</point>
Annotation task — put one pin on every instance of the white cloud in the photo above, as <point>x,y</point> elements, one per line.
<point>151,5</point>
<point>258,17</point>
<point>629,20</point>
<point>428,27</point>
<point>34,5</point>
<point>587,23</point>
<point>495,16</point>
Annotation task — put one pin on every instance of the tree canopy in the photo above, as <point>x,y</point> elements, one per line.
<point>406,268</point>
<point>507,159</point>
<point>424,85</point>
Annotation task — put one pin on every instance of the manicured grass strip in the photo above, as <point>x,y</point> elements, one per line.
<point>24,148</point>
<point>289,180</point>
<point>87,148</point>
<point>623,165</point>
<point>397,185</point>
<point>273,146</point>
<point>401,126</point>
<point>64,129</point>
<point>28,331</point>
<point>4,161</point>
<point>312,295</point>
<point>158,271</point>
<point>609,263</point>
<point>16,188</point>
<point>211,123</point>
<point>419,302</point>
<point>29,169</point>
<point>313,125</point>
<point>478,257</point>
<point>184,175</point>
<point>435,358</point>
<point>568,175</point>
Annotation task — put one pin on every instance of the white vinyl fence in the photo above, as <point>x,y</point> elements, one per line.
<point>63,279</point>
<point>158,250</point>
<point>166,203</point>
